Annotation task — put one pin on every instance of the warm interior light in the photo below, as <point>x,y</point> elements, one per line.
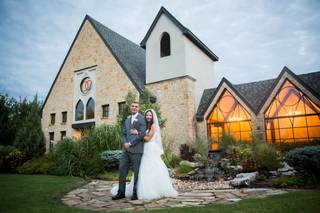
<point>235,118</point>
<point>294,113</point>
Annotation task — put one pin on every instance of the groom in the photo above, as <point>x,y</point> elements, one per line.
<point>132,150</point>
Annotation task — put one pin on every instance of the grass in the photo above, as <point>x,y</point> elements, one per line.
<point>42,193</point>
<point>113,175</point>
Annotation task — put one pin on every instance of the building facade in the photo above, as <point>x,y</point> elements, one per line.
<point>101,67</point>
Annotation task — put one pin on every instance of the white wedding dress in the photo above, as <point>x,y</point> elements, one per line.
<point>154,180</point>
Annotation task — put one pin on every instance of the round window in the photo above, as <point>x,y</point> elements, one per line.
<point>85,85</point>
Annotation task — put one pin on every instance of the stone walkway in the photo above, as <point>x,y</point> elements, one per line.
<point>96,196</point>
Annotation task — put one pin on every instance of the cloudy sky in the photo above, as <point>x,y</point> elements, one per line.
<point>253,39</point>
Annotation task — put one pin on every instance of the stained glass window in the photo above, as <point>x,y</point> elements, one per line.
<point>292,117</point>
<point>230,117</point>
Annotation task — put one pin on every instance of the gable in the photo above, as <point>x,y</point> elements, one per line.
<point>128,55</point>
<point>185,31</point>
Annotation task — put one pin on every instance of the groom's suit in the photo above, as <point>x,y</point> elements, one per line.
<point>131,157</point>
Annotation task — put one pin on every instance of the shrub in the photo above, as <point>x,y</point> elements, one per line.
<point>168,157</point>
<point>111,159</point>
<point>106,137</point>
<point>186,152</point>
<point>284,147</point>
<point>184,168</point>
<point>290,181</point>
<point>226,142</point>
<point>266,157</point>
<point>45,164</point>
<point>90,162</point>
<point>201,147</point>
<point>67,155</point>
<point>12,160</point>
<point>242,155</point>
<point>305,159</point>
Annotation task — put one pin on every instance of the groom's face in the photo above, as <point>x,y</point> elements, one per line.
<point>134,108</point>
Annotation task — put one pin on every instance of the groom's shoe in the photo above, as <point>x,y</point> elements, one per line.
<point>134,196</point>
<point>118,196</point>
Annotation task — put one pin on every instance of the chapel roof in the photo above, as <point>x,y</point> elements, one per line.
<point>129,55</point>
<point>255,93</point>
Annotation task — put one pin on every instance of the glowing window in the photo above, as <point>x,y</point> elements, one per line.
<point>292,117</point>
<point>229,116</point>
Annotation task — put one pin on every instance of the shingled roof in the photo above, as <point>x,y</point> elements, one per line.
<point>255,93</point>
<point>194,39</point>
<point>129,55</point>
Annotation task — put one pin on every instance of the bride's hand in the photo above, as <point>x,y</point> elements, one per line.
<point>134,132</point>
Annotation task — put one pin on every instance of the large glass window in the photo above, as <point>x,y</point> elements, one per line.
<point>228,116</point>
<point>165,45</point>
<point>90,109</point>
<point>292,117</point>
<point>79,111</point>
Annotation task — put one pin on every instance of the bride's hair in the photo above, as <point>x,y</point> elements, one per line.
<point>149,124</point>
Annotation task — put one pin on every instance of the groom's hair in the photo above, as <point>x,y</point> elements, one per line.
<point>135,102</point>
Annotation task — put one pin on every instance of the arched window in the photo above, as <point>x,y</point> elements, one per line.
<point>90,109</point>
<point>230,117</point>
<point>79,110</point>
<point>292,117</point>
<point>165,45</point>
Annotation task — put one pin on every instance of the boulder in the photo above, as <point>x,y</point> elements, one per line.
<point>191,164</point>
<point>287,170</point>
<point>244,179</point>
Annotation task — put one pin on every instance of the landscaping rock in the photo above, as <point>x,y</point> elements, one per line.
<point>244,179</point>
<point>191,164</point>
<point>287,170</point>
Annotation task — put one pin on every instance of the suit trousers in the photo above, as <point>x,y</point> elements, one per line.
<point>128,159</point>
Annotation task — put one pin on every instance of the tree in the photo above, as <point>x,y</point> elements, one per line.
<point>145,104</point>
<point>29,136</point>
<point>7,124</point>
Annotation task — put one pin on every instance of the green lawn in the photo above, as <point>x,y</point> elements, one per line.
<point>42,193</point>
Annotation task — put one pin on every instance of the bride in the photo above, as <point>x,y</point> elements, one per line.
<point>154,181</point>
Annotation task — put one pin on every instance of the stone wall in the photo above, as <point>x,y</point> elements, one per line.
<point>177,103</point>
<point>112,84</point>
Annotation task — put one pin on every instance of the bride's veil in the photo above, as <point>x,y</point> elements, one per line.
<point>157,136</point>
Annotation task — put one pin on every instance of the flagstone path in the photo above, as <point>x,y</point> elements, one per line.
<point>96,196</point>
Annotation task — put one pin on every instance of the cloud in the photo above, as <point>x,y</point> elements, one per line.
<point>253,39</point>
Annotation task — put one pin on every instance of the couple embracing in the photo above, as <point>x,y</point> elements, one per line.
<point>142,149</point>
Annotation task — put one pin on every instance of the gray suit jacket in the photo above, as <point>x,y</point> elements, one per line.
<point>135,140</point>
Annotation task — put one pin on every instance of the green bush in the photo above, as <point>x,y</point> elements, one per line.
<point>106,137</point>
<point>201,146</point>
<point>242,154</point>
<point>111,159</point>
<point>284,147</point>
<point>169,158</point>
<point>90,162</point>
<point>305,159</point>
<point>45,164</point>
<point>266,157</point>
<point>184,168</point>
<point>12,160</point>
<point>67,155</point>
<point>290,181</point>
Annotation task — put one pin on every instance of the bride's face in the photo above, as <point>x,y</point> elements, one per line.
<point>149,116</point>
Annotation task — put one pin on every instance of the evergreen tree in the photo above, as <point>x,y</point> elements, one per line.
<point>29,136</point>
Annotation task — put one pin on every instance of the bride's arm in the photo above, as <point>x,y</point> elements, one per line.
<point>150,134</point>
